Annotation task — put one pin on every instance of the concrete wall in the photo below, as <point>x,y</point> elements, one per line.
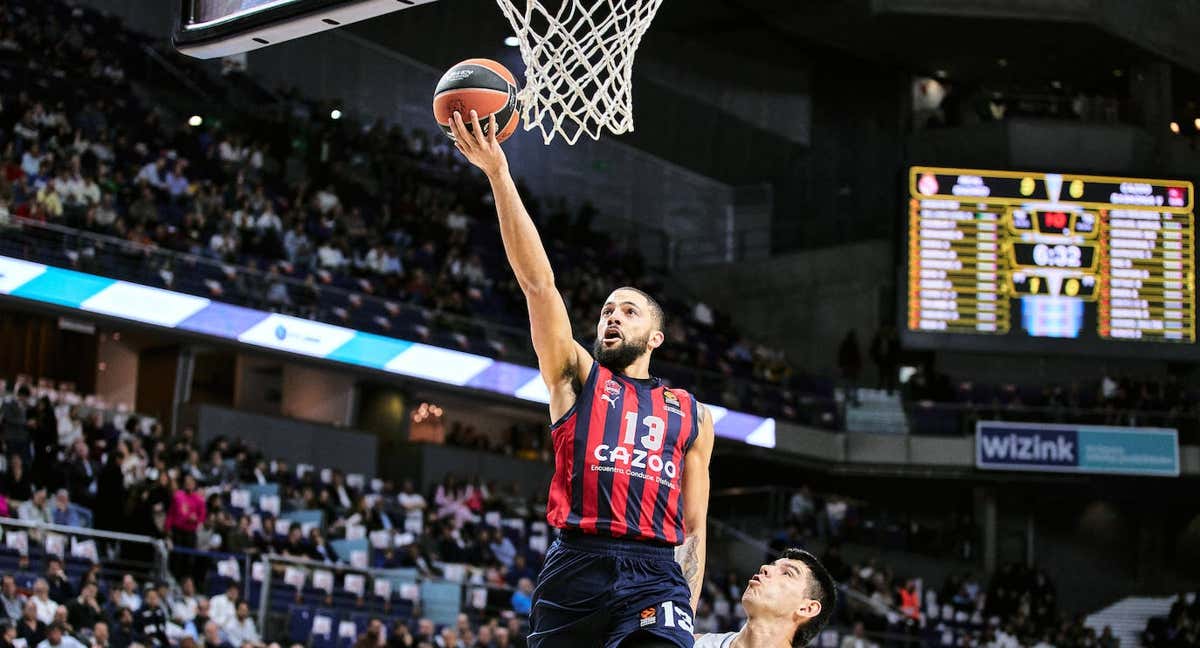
<point>290,440</point>
<point>258,384</point>
<point>1038,369</point>
<point>430,463</point>
<point>1161,26</point>
<point>805,301</point>
<point>318,395</point>
<point>1025,143</point>
<point>117,370</point>
<point>942,451</point>
<point>810,442</point>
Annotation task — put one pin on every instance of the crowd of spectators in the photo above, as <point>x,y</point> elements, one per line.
<point>1110,393</point>
<point>1016,606</point>
<point>307,215</point>
<point>1118,399</point>
<point>1181,626</point>
<point>942,404</point>
<point>90,611</point>
<point>122,472</point>
<point>836,518</point>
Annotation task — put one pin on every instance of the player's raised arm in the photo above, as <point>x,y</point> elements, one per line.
<point>560,358</point>
<point>691,554</point>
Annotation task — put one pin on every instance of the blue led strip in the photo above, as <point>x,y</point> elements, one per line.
<point>173,310</point>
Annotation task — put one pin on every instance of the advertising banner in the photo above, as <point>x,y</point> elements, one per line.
<point>1047,447</point>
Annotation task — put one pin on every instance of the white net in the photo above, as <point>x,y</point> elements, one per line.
<point>578,63</point>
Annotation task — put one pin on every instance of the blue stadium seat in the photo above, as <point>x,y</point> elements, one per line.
<point>345,547</point>
<point>313,597</point>
<point>9,562</point>
<point>299,623</point>
<point>326,640</point>
<point>217,584</point>
<point>402,607</point>
<point>282,596</point>
<point>258,490</point>
<point>252,594</point>
<point>359,623</point>
<point>25,580</point>
<point>307,516</point>
<point>375,602</point>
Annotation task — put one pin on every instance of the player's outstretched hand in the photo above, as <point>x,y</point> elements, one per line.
<point>480,149</point>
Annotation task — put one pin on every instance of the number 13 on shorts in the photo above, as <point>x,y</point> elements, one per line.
<point>668,615</point>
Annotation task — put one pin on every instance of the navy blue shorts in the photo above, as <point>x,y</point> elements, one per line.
<point>596,591</point>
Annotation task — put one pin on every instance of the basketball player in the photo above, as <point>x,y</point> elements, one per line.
<point>787,603</point>
<point>630,486</point>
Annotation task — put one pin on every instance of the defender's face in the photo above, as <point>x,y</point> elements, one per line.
<point>778,589</point>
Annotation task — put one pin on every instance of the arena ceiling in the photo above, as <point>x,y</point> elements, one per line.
<point>803,33</point>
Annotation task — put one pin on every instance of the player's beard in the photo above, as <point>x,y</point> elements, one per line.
<point>619,357</point>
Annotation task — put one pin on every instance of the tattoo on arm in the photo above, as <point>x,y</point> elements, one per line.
<point>688,557</point>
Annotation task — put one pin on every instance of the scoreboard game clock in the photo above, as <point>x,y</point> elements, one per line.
<point>1049,262</point>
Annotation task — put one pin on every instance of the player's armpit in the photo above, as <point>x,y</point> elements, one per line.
<point>691,554</point>
<point>562,361</point>
<point>559,355</point>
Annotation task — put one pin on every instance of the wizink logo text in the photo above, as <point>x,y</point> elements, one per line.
<point>1036,447</point>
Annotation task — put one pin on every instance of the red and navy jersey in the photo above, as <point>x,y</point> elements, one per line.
<point>618,458</point>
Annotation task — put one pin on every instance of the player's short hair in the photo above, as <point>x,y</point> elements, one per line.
<point>823,589</point>
<point>656,310</point>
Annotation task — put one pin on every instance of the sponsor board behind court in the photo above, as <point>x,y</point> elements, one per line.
<point>1045,447</point>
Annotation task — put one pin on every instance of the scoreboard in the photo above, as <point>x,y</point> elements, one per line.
<point>1042,258</point>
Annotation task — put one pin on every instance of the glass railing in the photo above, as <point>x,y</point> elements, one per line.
<point>959,419</point>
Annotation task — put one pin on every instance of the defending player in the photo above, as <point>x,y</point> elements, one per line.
<point>787,603</point>
<point>630,487</point>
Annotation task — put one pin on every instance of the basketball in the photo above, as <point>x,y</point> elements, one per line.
<point>482,85</point>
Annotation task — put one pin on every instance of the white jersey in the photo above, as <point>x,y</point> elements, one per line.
<point>715,640</point>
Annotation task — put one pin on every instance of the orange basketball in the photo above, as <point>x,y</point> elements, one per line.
<point>482,85</point>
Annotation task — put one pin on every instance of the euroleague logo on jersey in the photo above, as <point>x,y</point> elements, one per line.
<point>671,402</point>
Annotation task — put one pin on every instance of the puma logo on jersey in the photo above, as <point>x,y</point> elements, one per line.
<point>612,389</point>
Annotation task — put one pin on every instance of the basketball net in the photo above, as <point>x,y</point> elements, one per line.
<point>578,63</point>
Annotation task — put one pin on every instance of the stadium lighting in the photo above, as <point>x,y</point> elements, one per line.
<point>335,114</point>
<point>1175,127</point>
<point>512,41</point>
<point>195,121</point>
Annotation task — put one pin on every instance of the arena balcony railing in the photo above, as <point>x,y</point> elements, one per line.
<point>932,418</point>
<point>116,553</point>
<point>466,594</point>
<point>337,304</point>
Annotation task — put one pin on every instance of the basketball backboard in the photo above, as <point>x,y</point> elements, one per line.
<point>215,28</point>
